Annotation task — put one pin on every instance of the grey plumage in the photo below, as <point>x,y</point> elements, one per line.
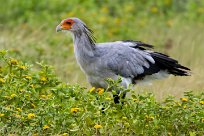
<point>132,60</point>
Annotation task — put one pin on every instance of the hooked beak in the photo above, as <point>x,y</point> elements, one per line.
<point>59,28</point>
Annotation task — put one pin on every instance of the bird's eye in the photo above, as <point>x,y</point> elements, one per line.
<point>69,23</point>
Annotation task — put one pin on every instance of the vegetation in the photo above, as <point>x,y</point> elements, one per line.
<point>39,91</point>
<point>38,103</point>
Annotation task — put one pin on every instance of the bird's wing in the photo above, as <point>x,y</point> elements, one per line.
<point>131,59</point>
<point>128,59</point>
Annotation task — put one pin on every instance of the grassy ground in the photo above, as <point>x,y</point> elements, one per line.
<point>36,101</point>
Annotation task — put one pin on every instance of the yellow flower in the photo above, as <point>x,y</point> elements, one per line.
<point>33,105</point>
<point>43,79</point>
<point>154,9</point>
<point>97,126</point>
<point>49,95</point>
<point>13,95</point>
<point>22,90</point>
<point>13,62</point>
<point>184,99</point>
<point>184,106</point>
<point>36,134</point>
<point>92,89</point>
<point>43,96</point>
<point>1,114</point>
<point>64,134</point>
<point>32,86</point>
<point>31,115</point>
<point>8,108</point>
<point>75,110</point>
<point>202,102</point>
<point>149,118</point>
<point>126,124</point>
<point>28,77</point>
<point>100,91</point>
<point>45,127</point>
<point>17,116</point>
<point>146,117</point>
<point>178,103</point>
<point>7,97</point>
<point>19,109</point>
<point>108,98</point>
<point>134,100</point>
<point>2,80</point>
<point>22,67</point>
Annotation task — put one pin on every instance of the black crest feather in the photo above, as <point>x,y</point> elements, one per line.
<point>89,34</point>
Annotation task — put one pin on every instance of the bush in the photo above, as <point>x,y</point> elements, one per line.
<point>36,102</point>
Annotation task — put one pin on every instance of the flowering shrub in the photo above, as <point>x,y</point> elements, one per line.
<point>36,102</point>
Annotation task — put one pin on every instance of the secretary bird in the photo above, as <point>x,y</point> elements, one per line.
<point>130,60</point>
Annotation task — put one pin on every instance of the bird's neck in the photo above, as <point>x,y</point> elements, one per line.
<point>83,47</point>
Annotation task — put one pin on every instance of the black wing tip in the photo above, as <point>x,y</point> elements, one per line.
<point>182,70</point>
<point>170,64</point>
<point>139,44</point>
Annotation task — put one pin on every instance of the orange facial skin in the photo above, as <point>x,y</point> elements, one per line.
<point>67,24</point>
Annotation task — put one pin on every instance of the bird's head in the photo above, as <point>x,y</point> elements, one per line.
<point>70,24</point>
<point>77,27</point>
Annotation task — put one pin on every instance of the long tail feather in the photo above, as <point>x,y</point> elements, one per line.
<point>171,65</point>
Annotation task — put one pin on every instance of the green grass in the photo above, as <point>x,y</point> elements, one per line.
<point>37,103</point>
<point>52,83</point>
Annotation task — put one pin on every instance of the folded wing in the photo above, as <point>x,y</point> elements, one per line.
<point>131,59</point>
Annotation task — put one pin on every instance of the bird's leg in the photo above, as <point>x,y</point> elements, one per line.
<point>117,96</point>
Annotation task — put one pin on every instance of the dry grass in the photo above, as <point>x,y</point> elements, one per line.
<point>188,48</point>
